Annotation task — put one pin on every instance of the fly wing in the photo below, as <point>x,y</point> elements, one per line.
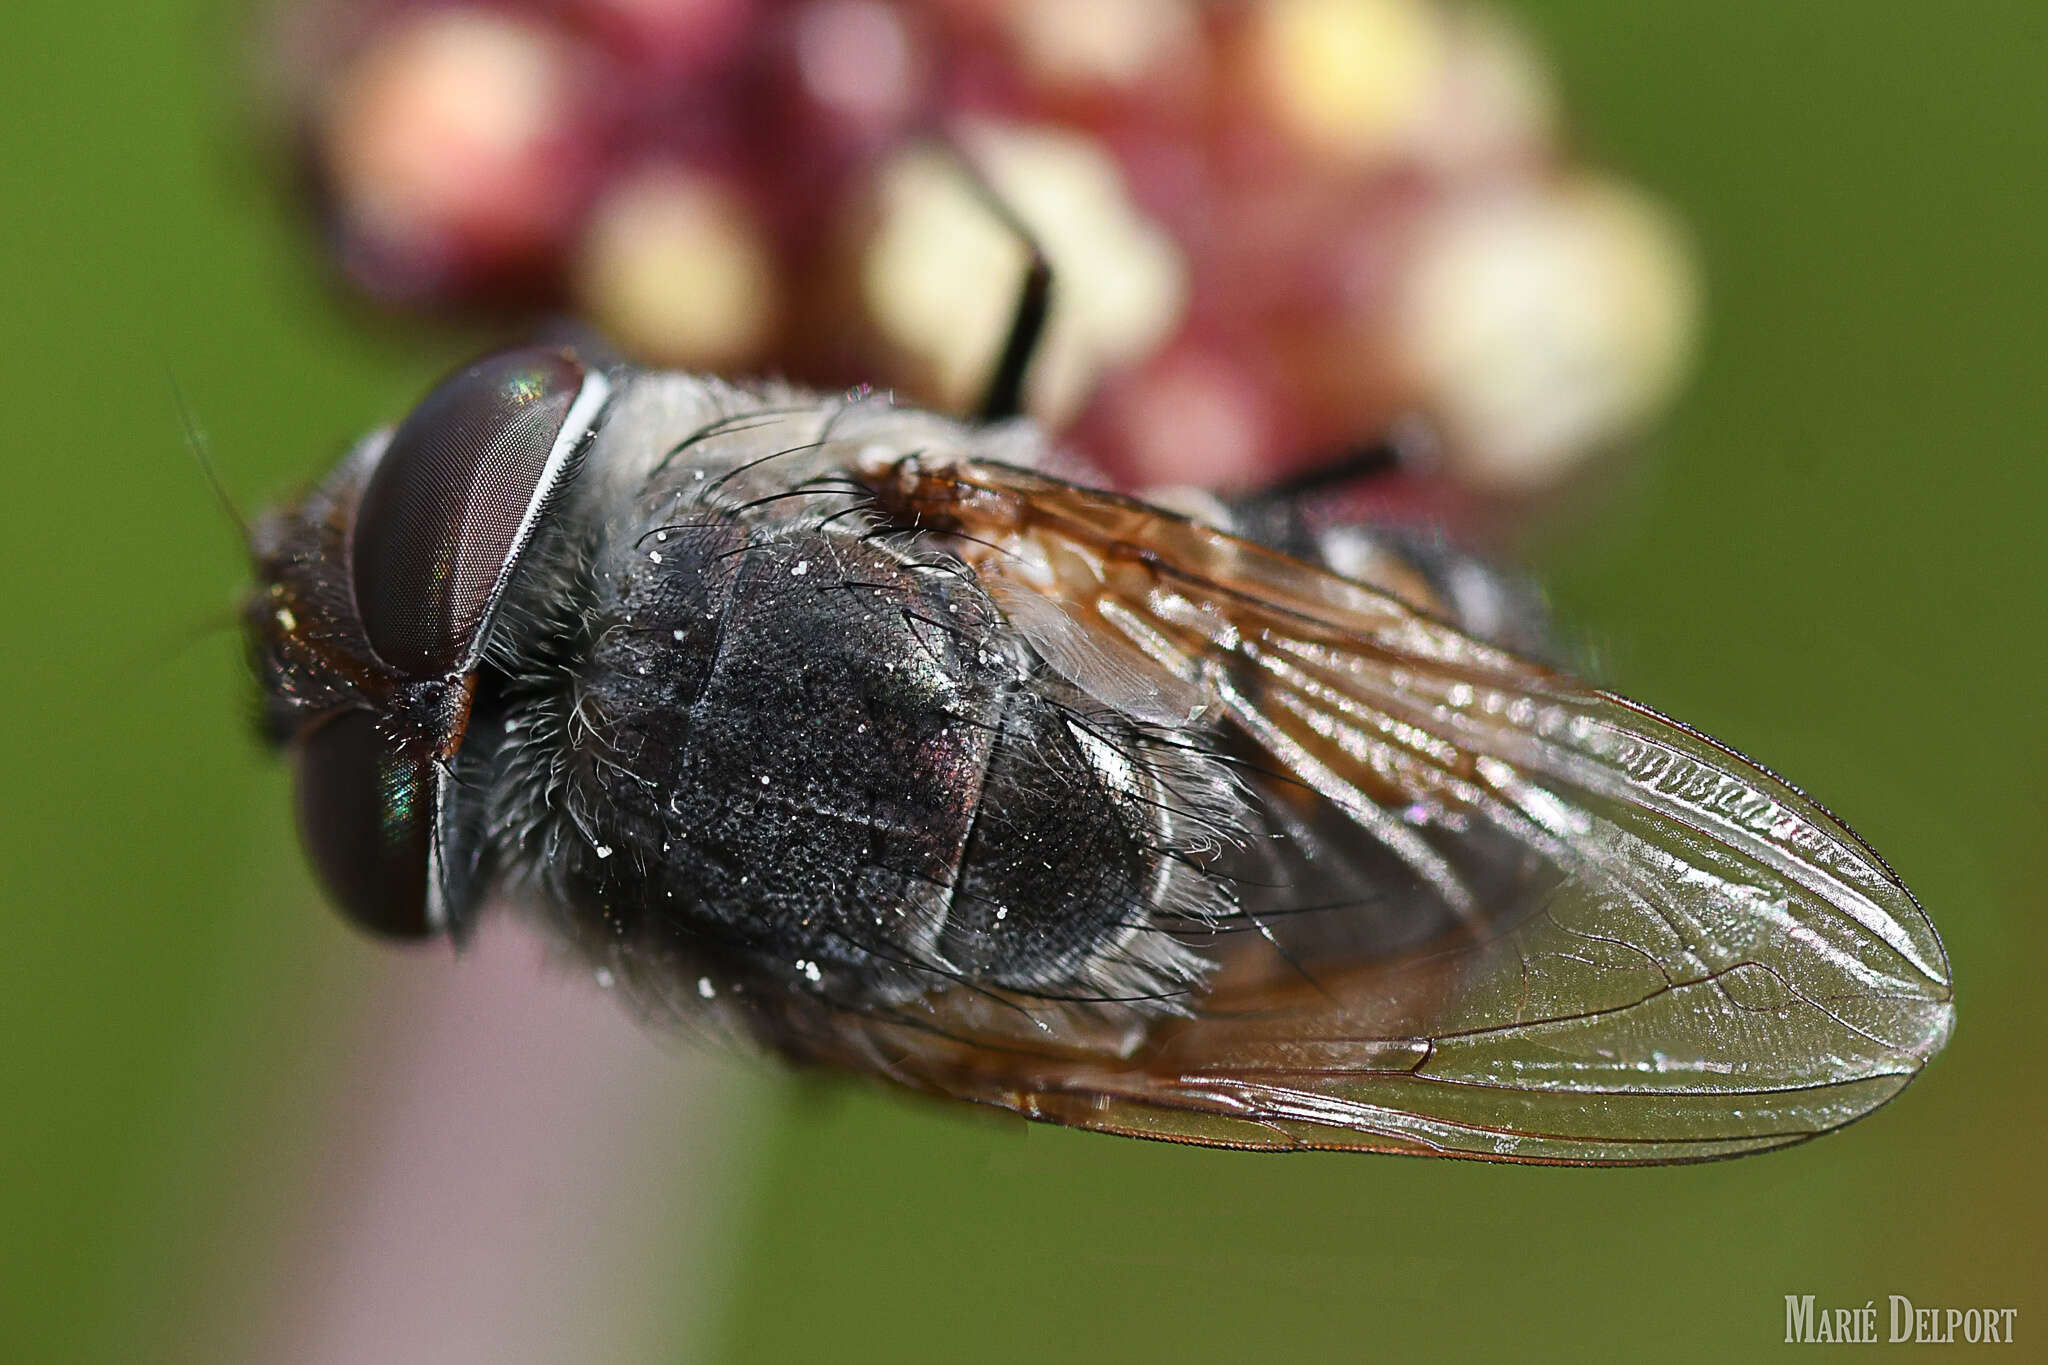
<point>1631,944</point>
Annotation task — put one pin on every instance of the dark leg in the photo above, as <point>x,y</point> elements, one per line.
<point>1291,516</point>
<point>1004,396</point>
<point>1354,466</point>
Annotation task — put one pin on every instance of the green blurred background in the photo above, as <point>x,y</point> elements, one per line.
<point>1836,562</point>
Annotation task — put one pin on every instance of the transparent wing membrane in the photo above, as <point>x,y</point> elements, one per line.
<point>1481,910</point>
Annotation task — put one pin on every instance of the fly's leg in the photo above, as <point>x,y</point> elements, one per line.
<point>1355,466</point>
<point>1003,398</point>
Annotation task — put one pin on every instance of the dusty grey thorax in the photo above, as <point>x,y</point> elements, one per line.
<point>732,724</point>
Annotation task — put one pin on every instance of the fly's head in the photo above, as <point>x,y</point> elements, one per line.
<point>374,606</point>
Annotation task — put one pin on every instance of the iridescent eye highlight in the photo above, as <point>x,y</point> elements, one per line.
<point>365,817</point>
<point>451,502</point>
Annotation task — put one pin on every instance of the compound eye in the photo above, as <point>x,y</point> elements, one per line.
<point>366,819</point>
<point>454,499</point>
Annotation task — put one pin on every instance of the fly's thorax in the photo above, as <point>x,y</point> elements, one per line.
<point>738,726</point>
<point>671,441</point>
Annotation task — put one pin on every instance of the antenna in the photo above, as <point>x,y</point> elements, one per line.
<point>202,454</point>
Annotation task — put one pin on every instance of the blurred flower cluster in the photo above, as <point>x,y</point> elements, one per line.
<point>1279,228</point>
